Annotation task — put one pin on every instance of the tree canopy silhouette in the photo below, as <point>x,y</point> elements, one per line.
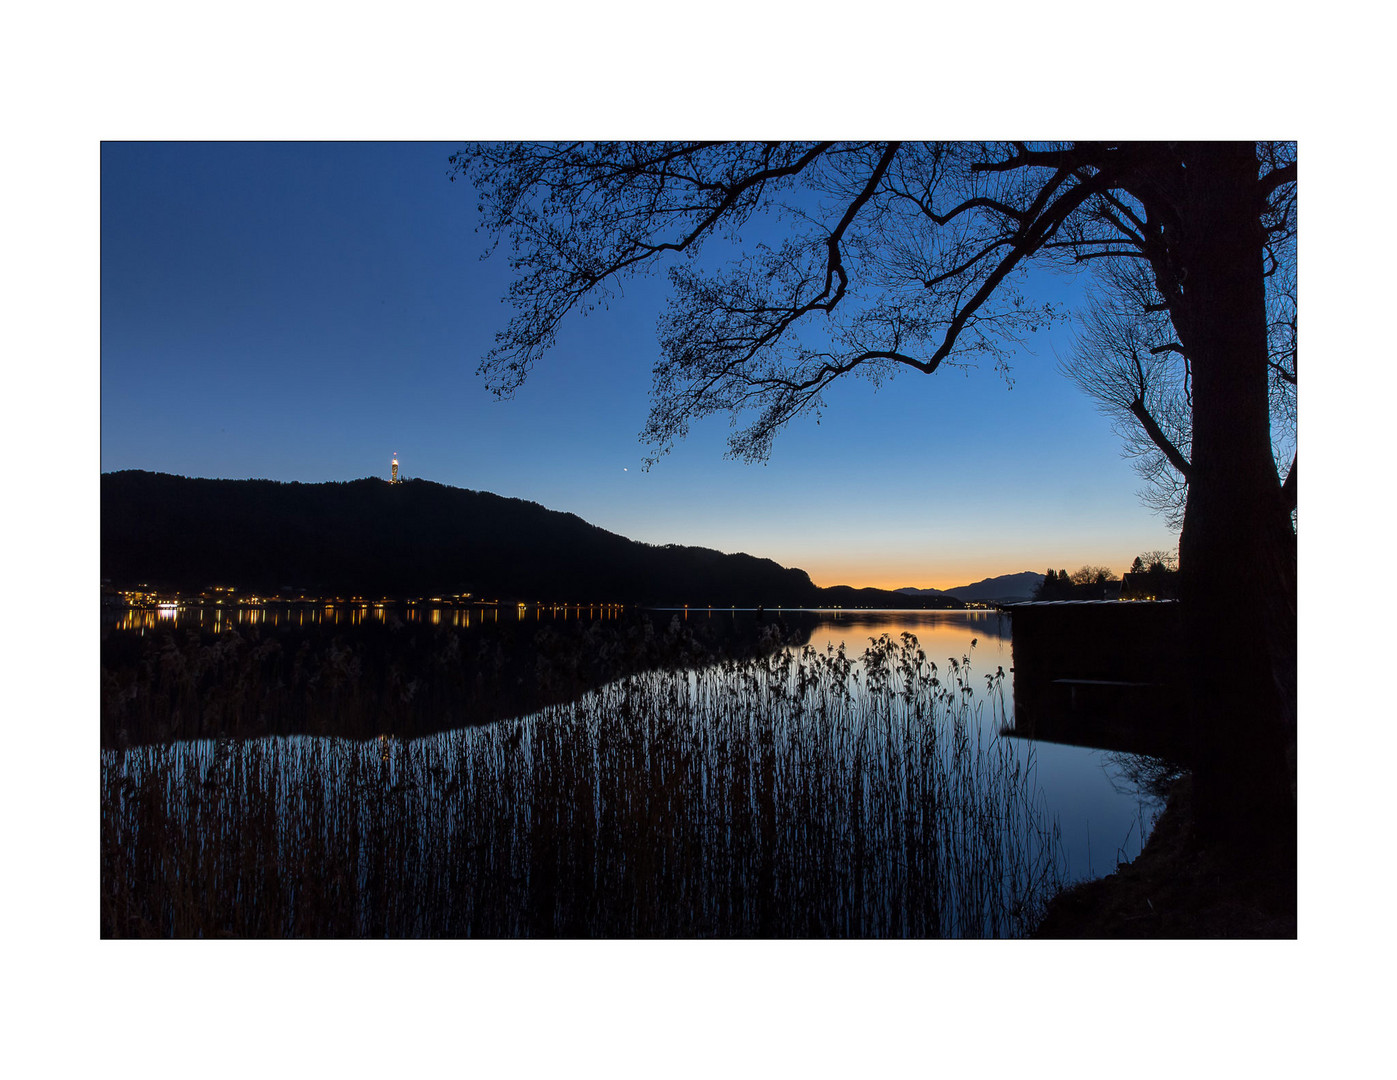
<point>911,256</point>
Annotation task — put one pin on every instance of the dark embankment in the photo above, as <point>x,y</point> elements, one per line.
<point>1183,886</point>
<point>372,538</point>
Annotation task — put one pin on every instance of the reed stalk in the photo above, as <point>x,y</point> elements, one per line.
<point>800,793</point>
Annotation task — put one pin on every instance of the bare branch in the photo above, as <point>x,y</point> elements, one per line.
<point>1286,174</point>
<point>899,256</point>
<point>1157,436</point>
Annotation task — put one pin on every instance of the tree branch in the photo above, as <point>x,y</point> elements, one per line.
<point>836,264</point>
<point>1044,222</point>
<point>727,203</point>
<point>1167,448</point>
<point>1286,174</point>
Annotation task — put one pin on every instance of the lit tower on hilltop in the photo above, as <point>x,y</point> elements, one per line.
<point>394,480</point>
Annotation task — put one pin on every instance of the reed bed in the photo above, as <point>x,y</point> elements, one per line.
<point>793,794</point>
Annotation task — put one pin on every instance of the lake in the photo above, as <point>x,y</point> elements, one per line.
<point>1103,813</point>
<point>517,670</point>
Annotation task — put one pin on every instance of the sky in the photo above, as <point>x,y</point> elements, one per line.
<point>305,310</point>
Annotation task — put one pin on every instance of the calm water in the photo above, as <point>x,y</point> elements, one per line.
<point>1101,811</point>
<point>1104,815</point>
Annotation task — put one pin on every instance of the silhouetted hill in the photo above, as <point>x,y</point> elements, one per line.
<point>417,538</point>
<point>1005,587</point>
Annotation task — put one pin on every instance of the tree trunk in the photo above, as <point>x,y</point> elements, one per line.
<point>1237,551</point>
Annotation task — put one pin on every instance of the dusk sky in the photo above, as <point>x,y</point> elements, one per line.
<point>302,311</point>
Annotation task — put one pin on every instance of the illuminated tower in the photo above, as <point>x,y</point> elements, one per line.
<point>395,470</point>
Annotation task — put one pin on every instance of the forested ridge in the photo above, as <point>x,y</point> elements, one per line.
<point>371,538</point>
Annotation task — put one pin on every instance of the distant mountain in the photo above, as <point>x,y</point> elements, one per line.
<point>419,538</point>
<point>1004,589</point>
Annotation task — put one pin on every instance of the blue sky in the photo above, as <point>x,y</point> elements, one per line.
<point>427,71</point>
<point>301,311</point>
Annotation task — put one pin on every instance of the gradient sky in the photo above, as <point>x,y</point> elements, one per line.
<point>301,311</point>
<point>294,71</point>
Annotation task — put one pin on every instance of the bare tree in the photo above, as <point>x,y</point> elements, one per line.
<point>907,257</point>
<point>1127,357</point>
<point>1123,361</point>
<point>1166,561</point>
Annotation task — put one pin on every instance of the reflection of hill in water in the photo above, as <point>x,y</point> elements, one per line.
<point>410,677</point>
<point>395,677</point>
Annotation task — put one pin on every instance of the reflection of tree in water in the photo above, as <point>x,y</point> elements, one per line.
<point>1142,775</point>
<point>1148,780</point>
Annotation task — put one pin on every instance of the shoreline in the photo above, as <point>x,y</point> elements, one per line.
<point>1180,886</point>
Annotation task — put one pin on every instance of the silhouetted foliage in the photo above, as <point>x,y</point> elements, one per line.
<point>1164,560</point>
<point>1087,583</point>
<point>1154,575</point>
<point>1054,587</point>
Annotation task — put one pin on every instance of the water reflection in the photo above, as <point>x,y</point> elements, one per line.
<point>363,669</point>
<point>221,616</point>
<point>1095,779</point>
<point>952,627</point>
<point>773,797</point>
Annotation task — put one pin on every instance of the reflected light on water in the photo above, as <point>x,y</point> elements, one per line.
<point>219,616</point>
<point>1097,820</point>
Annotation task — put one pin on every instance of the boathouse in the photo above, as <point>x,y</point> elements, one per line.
<point>1103,673</point>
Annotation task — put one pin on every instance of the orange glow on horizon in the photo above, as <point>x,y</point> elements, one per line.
<point>941,578</point>
<point>939,583</point>
<point>946,573</point>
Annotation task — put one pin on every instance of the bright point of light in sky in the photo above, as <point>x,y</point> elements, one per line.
<point>295,311</point>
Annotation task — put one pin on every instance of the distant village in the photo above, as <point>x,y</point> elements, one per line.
<point>144,596</point>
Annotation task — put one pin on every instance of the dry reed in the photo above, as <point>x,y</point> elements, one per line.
<point>797,793</point>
